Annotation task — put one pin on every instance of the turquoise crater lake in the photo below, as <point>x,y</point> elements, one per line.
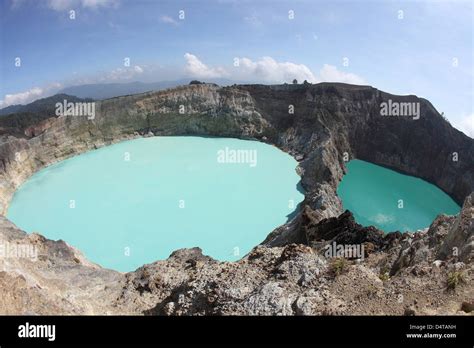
<point>391,201</point>
<point>137,201</point>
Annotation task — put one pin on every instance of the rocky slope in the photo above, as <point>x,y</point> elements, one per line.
<point>289,273</point>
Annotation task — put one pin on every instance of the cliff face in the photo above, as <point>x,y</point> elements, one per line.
<point>321,125</point>
<point>346,118</point>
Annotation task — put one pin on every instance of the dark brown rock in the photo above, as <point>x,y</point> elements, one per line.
<point>467,307</point>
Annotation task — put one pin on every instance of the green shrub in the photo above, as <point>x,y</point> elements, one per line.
<point>338,266</point>
<point>455,279</point>
<point>384,276</point>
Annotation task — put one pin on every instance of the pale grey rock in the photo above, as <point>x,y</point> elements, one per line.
<point>459,240</point>
<point>270,299</point>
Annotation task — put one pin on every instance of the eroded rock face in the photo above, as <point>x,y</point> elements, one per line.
<point>344,230</point>
<point>459,240</point>
<point>40,276</point>
<point>329,122</point>
<point>39,128</point>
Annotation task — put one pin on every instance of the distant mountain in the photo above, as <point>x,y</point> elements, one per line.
<point>100,91</point>
<point>24,116</point>
<point>41,106</point>
<point>11,109</point>
<point>109,90</point>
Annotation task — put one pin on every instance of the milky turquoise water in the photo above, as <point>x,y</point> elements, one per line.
<point>135,202</point>
<point>389,200</point>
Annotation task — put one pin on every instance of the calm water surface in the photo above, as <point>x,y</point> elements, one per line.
<point>135,202</point>
<point>391,201</point>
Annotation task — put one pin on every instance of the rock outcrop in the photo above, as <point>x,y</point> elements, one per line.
<point>322,126</point>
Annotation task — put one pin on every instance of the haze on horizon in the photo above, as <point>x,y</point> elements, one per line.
<point>423,48</point>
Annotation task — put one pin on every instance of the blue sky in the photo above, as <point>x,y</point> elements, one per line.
<point>425,50</point>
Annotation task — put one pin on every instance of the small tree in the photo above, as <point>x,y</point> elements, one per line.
<point>295,81</point>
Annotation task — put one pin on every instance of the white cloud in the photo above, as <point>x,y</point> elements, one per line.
<point>62,5</point>
<point>466,125</point>
<point>125,73</point>
<point>22,97</point>
<point>268,69</point>
<point>168,20</point>
<point>28,96</point>
<point>329,73</point>
<point>99,3</point>
<point>138,69</point>
<point>196,68</point>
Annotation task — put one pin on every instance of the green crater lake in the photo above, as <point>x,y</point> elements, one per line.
<point>137,201</point>
<point>391,201</point>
